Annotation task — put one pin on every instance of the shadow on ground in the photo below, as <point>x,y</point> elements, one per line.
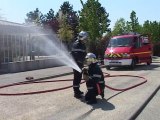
<point>102,104</point>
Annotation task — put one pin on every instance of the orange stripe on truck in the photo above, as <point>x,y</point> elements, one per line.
<point>141,53</point>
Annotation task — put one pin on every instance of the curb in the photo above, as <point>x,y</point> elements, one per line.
<point>155,59</point>
<point>142,107</point>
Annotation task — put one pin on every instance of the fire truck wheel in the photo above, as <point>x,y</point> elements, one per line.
<point>149,63</point>
<point>133,64</point>
<point>108,67</point>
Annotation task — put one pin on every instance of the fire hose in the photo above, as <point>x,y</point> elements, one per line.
<point>52,90</point>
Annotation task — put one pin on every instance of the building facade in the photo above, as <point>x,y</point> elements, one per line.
<point>20,45</point>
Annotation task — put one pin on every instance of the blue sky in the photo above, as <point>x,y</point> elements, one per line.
<point>15,10</point>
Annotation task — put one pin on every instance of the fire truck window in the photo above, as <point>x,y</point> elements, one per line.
<point>135,42</point>
<point>145,40</point>
<point>120,42</point>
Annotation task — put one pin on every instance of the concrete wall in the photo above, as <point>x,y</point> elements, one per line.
<point>13,67</point>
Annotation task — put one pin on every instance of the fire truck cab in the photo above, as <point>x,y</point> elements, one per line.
<point>128,50</point>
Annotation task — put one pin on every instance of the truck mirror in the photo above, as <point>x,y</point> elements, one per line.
<point>145,40</point>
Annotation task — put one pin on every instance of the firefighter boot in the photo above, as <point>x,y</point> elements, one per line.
<point>77,93</point>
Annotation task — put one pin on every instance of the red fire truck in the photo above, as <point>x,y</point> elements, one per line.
<point>128,50</point>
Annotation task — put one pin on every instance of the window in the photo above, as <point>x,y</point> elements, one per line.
<point>120,42</point>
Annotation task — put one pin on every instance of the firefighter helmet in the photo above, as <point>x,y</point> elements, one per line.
<point>90,55</point>
<point>83,35</point>
<point>90,58</point>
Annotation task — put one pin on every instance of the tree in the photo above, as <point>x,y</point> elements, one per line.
<point>65,32</point>
<point>34,17</point>
<point>50,20</point>
<point>94,20</point>
<point>155,30</point>
<point>146,27</point>
<point>71,17</point>
<point>119,27</point>
<point>103,44</point>
<point>152,28</point>
<point>134,22</point>
<point>66,8</point>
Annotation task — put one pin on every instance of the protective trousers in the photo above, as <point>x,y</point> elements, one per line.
<point>91,95</point>
<point>77,78</point>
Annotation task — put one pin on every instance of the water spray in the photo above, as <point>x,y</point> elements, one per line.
<point>52,46</point>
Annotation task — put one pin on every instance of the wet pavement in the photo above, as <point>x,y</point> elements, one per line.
<point>61,105</point>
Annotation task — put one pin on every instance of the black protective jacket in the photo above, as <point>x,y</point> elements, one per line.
<point>95,77</point>
<point>79,51</point>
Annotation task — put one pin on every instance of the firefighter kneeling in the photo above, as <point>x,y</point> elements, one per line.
<point>94,79</point>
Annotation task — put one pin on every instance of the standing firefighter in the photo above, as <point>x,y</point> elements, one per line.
<point>79,52</point>
<point>94,79</point>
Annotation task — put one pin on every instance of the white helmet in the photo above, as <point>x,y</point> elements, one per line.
<point>90,55</point>
<point>83,35</point>
<point>90,58</point>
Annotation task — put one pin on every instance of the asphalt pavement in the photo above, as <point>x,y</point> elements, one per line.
<point>43,73</point>
<point>149,112</point>
<point>36,74</point>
